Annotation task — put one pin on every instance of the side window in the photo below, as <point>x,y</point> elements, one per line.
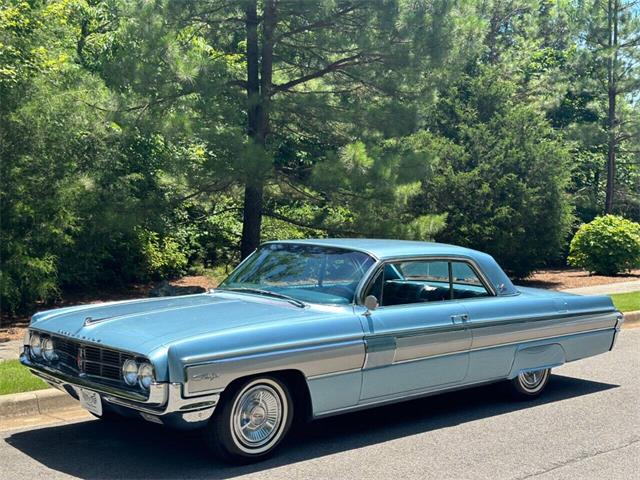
<point>465,282</point>
<point>422,281</point>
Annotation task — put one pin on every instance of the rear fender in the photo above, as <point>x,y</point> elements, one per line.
<point>537,357</point>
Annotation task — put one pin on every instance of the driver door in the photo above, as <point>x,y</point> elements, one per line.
<point>417,339</point>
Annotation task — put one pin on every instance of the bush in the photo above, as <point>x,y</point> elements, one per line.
<point>608,245</point>
<point>162,257</point>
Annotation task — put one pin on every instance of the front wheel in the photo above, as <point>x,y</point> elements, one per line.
<point>252,420</point>
<point>529,385</point>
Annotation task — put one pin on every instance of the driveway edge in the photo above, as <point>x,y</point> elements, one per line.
<point>38,402</point>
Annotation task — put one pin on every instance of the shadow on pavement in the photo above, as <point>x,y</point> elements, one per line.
<point>138,450</point>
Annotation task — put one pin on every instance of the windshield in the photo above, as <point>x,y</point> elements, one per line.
<point>309,273</point>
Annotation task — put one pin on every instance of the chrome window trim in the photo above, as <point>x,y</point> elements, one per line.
<point>362,288</point>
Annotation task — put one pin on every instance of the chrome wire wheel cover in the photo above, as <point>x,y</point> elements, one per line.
<point>533,381</point>
<point>258,416</point>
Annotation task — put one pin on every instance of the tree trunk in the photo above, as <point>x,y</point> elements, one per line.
<point>259,81</point>
<point>612,24</point>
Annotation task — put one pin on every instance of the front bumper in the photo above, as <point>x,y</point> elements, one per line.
<point>164,404</point>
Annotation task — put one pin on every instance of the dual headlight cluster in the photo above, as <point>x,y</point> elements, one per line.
<point>135,373</point>
<point>42,348</point>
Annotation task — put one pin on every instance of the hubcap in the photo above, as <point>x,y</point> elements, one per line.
<point>532,380</point>
<point>258,416</point>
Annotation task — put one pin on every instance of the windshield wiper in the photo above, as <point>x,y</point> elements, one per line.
<point>259,291</point>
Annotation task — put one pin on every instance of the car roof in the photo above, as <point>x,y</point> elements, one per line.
<point>387,248</point>
<point>383,249</point>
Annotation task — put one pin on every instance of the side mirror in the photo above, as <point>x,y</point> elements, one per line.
<point>371,303</point>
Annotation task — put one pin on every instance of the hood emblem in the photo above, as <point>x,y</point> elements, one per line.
<point>78,336</point>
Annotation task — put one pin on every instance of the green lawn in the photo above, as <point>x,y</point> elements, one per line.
<point>15,378</point>
<point>627,302</point>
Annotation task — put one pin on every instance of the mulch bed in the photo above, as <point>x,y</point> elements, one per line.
<point>572,278</point>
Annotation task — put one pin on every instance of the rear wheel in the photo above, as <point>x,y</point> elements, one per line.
<point>530,384</point>
<point>251,421</point>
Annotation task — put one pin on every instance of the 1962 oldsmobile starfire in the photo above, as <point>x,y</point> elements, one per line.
<point>315,328</point>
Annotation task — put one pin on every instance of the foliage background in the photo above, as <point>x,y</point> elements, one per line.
<point>126,156</point>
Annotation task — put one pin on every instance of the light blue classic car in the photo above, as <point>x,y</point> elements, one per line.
<point>313,328</point>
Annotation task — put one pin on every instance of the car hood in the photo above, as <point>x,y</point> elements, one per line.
<point>141,326</point>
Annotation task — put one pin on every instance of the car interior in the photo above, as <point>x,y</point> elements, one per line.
<point>426,281</point>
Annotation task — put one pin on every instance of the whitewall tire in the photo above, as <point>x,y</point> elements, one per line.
<point>251,421</point>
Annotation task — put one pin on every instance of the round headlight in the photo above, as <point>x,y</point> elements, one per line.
<point>130,372</point>
<point>35,345</point>
<point>145,375</point>
<point>48,352</point>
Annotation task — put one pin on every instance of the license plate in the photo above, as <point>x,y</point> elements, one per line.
<point>91,401</point>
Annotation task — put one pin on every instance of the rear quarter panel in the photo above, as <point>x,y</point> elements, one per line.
<point>557,327</point>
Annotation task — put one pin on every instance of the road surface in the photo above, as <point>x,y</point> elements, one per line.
<point>586,426</point>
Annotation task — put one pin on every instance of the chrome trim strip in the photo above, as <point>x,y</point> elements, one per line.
<point>521,342</point>
<point>411,360</point>
<point>319,359</point>
<point>471,325</point>
<point>270,350</point>
<point>333,374</point>
<point>175,402</point>
<point>515,320</point>
<point>399,362</point>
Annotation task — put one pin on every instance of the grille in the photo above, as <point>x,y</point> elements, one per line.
<point>90,360</point>
<point>67,351</point>
<point>102,362</point>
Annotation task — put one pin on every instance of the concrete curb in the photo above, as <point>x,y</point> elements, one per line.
<point>631,319</point>
<point>38,402</point>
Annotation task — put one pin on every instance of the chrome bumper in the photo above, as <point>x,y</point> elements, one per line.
<point>163,398</point>
<point>619,322</point>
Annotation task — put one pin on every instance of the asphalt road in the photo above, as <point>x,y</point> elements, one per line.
<point>587,425</point>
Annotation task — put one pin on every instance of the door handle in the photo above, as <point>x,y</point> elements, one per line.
<point>460,318</point>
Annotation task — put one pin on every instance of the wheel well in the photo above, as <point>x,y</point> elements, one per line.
<point>295,381</point>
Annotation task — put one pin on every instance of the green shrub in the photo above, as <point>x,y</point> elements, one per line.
<point>162,257</point>
<point>608,245</point>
